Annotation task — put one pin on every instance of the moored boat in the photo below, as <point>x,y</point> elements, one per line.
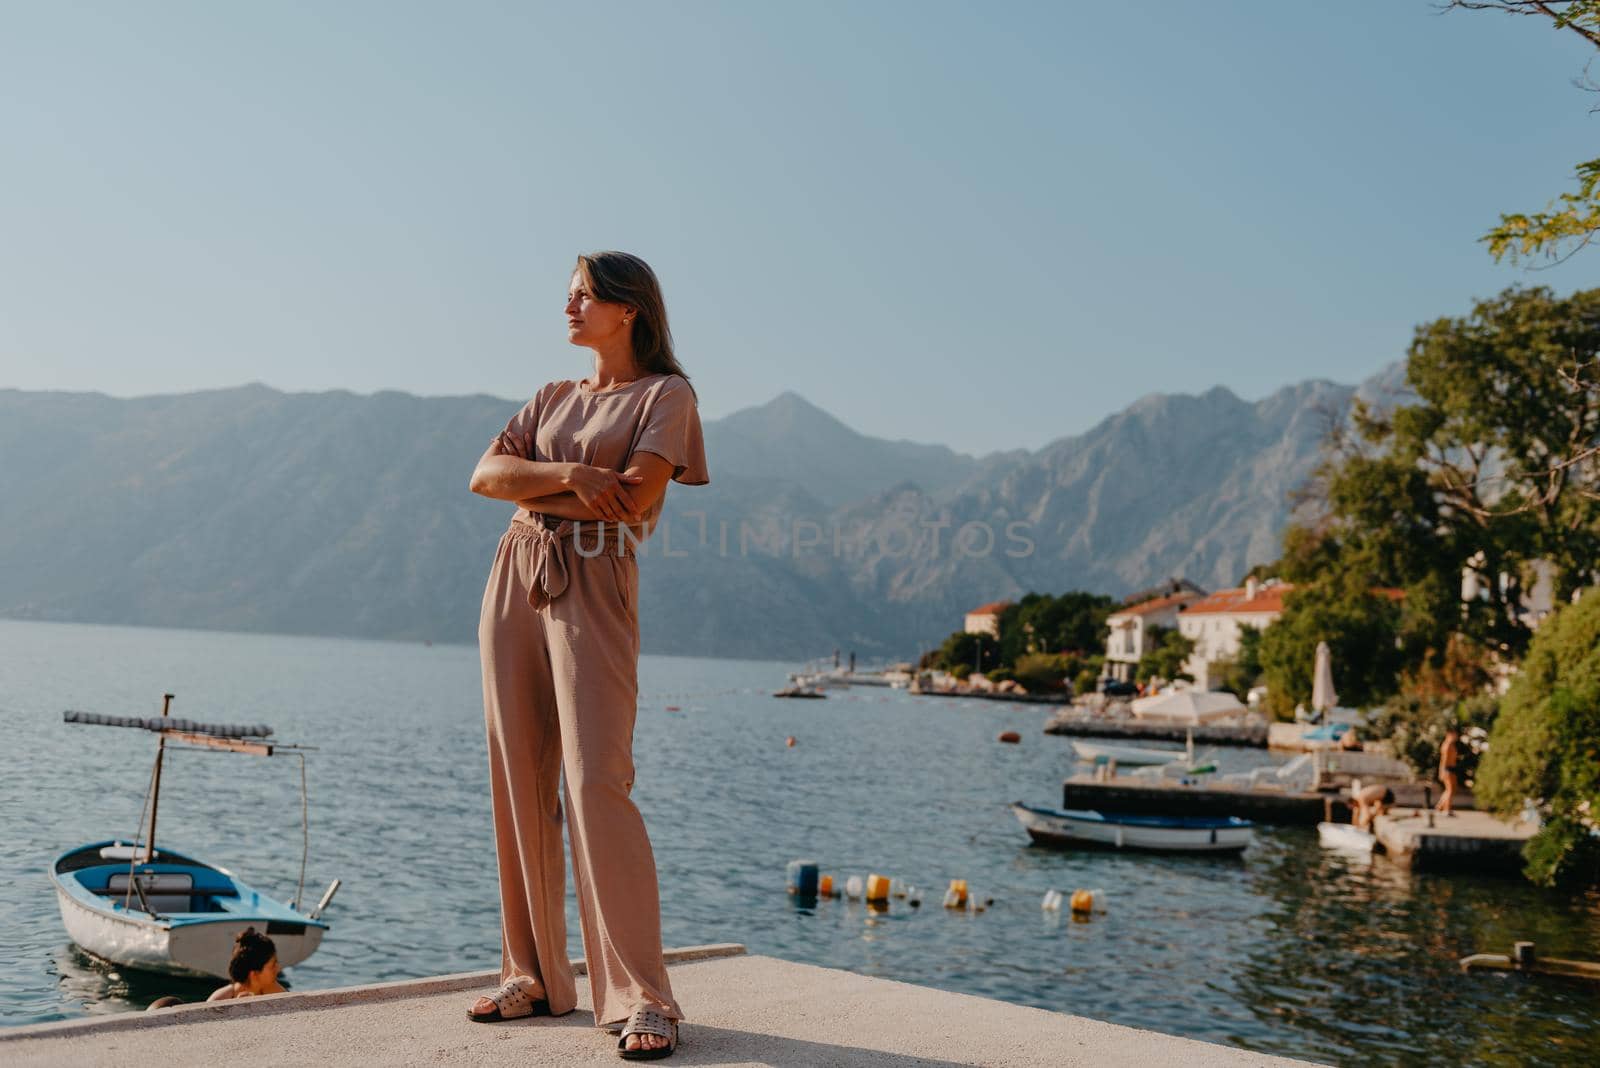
<point>1085,828</point>
<point>172,913</point>
<point>1346,837</point>
<point>1128,755</point>
<point>153,908</point>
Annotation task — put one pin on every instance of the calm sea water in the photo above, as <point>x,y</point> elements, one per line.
<point>1287,950</point>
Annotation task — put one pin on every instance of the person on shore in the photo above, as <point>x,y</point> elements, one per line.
<point>253,968</point>
<point>587,463</point>
<point>1350,741</point>
<point>1368,802</point>
<point>1449,761</point>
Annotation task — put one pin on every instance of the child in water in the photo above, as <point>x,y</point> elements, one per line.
<point>253,968</point>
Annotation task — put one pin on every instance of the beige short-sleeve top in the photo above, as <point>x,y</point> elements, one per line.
<point>572,424</point>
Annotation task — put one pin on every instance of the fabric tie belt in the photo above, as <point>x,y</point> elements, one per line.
<point>548,551</point>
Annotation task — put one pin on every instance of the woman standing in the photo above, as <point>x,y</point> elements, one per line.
<point>588,464</point>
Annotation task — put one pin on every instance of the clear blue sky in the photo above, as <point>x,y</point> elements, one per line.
<point>987,225</point>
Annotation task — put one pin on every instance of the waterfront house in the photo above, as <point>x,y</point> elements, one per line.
<point>1128,629</point>
<point>1214,623</point>
<point>985,619</point>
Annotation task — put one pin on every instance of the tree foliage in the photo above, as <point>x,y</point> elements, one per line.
<point>1545,746</point>
<point>1493,471</point>
<point>1071,625</point>
<point>1165,651</point>
<point>1458,691</point>
<point>1073,622</point>
<point>1572,219</point>
<point>1239,673</point>
<point>1359,626</point>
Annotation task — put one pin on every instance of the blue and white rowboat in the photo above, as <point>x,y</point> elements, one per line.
<point>179,915</point>
<point>145,906</point>
<point>1085,828</point>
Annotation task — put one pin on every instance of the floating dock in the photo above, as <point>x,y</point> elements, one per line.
<point>1264,804</point>
<point>742,1010</point>
<point>1166,798</point>
<point>1466,840</point>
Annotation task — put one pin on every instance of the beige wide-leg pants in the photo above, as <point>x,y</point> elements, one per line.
<point>559,641</point>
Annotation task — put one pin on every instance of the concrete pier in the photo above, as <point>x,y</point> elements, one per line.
<point>743,1010</point>
<point>1468,839</point>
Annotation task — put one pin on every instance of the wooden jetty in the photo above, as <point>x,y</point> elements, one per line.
<point>1523,958</point>
<point>1466,840</point>
<point>1264,804</point>
<point>1165,797</point>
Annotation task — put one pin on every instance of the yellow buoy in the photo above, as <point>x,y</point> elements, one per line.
<point>877,888</point>
<point>956,896</point>
<point>1082,901</point>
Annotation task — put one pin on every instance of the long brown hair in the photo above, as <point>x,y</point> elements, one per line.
<point>624,278</point>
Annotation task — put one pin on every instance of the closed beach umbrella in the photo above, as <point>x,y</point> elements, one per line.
<point>1323,695</point>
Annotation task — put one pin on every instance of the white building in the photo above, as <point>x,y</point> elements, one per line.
<point>985,619</point>
<point>1214,623</point>
<point>1130,629</point>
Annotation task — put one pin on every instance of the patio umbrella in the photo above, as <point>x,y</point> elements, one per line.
<point>1323,695</point>
<point>1188,706</point>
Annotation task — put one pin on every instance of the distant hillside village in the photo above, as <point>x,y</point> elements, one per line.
<point>1175,632</point>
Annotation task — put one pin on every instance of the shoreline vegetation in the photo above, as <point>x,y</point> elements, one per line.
<point>1446,551</point>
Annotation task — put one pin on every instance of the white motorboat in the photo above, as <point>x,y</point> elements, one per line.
<point>1086,828</point>
<point>1126,755</point>
<point>1346,838</point>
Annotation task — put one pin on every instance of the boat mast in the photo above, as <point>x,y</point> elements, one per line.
<point>155,790</point>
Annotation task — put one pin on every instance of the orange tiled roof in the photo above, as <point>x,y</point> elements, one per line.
<point>1157,604</point>
<point>1267,599</point>
<point>993,608</point>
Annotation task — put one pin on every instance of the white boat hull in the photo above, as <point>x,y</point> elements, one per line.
<point>1346,838</point>
<point>1091,830</point>
<point>1127,755</point>
<point>199,912</point>
<point>195,949</point>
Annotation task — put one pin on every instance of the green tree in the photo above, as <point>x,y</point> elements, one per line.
<point>1072,622</point>
<point>1045,672</point>
<point>1493,471</point>
<point>1165,651</point>
<point>1457,690</point>
<point>1360,628</point>
<point>1572,219</point>
<point>1545,746</point>
<point>963,648</point>
<point>1238,673</point>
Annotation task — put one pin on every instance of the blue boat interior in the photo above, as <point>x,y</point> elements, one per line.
<point>177,888</point>
<point>1197,823</point>
<point>167,887</point>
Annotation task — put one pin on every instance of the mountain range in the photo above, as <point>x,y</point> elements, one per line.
<point>342,514</point>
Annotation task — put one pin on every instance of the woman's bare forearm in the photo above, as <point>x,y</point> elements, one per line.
<point>565,505</point>
<point>511,478</point>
